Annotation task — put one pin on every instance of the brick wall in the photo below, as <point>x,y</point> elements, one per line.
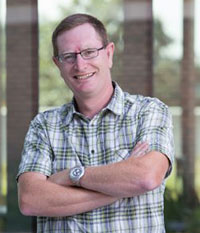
<point>136,75</point>
<point>22,93</point>
<point>188,101</point>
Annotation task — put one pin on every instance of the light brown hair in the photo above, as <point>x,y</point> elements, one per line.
<point>75,20</point>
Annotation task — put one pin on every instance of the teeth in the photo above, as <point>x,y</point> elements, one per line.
<point>84,76</point>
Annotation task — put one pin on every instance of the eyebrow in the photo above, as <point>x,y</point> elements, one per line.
<point>89,47</point>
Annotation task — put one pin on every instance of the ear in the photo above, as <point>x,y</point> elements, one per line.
<point>110,52</point>
<point>56,62</point>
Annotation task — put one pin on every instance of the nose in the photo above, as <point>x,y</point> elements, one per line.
<point>80,63</point>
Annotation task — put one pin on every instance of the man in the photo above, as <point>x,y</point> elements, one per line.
<point>99,163</point>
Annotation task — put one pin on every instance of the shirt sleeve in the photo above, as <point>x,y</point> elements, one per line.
<point>155,127</point>
<point>37,153</point>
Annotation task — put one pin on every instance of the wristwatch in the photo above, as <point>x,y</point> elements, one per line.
<point>76,173</point>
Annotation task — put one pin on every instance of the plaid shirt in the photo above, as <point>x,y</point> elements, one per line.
<point>61,138</point>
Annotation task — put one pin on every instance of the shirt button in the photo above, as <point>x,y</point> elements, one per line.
<point>92,151</point>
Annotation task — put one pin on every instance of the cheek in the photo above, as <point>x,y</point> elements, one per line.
<point>64,73</point>
<point>65,78</point>
<point>107,61</point>
<point>106,65</point>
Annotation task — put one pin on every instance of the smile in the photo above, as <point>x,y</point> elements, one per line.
<point>86,76</point>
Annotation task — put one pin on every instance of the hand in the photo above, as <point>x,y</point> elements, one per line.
<point>61,178</point>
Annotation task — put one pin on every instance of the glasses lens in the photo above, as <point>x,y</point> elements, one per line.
<point>89,53</point>
<point>68,58</point>
<point>86,54</point>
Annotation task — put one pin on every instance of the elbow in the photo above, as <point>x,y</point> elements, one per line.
<point>25,210</point>
<point>151,181</point>
<point>146,183</point>
<point>25,206</point>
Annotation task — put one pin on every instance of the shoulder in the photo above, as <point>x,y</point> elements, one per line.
<point>54,116</point>
<point>141,103</point>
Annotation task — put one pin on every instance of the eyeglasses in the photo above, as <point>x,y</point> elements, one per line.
<point>86,54</point>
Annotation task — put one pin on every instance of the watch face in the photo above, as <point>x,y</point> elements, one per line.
<point>77,172</point>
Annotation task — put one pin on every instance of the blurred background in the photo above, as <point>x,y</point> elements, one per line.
<point>157,54</point>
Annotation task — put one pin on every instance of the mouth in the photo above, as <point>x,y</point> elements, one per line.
<point>85,76</point>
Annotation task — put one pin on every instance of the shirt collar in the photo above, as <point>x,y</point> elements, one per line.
<point>66,113</point>
<point>116,105</point>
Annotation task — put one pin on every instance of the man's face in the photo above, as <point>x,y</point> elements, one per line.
<point>85,77</point>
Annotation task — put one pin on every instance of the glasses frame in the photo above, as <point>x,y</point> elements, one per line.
<point>60,57</point>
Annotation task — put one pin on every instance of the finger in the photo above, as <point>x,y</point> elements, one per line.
<point>141,148</point>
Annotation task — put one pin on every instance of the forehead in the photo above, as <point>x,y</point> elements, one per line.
<point>80,37</point>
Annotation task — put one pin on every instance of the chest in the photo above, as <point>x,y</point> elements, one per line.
<point>93,143</point>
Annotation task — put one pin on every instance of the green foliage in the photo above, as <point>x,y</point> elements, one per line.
<point>166,71</point>
<point>178,216</point>
<point>53,90</point>
<point>161,40</point>
<point>167,81</point>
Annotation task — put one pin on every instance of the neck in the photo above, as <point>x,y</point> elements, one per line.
<point>92,105</point>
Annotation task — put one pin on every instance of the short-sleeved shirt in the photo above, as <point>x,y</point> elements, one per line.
<point>61,138</point>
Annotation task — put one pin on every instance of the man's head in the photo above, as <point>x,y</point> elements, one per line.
<point>75,20</point>
<point>84,56</point>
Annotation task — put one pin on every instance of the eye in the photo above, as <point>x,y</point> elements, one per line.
<point>89,52</point>
<point>68,56</point>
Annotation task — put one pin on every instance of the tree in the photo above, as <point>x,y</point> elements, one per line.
<point>53,90</point>
<point>166,70</point>
<point>161,40</point>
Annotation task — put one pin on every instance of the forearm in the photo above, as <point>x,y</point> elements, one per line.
<point>113,179</point>
<point>110,179</point>
<point>128,178</point>
<point>44,198</point>
<point>123,179</point>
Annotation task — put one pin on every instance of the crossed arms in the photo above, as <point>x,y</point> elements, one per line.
<point>100,186</point>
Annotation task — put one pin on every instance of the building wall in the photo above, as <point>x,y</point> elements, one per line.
<point>137,71</point>
<point>22,94</point>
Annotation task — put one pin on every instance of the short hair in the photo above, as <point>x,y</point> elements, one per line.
<point>75,20</point>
